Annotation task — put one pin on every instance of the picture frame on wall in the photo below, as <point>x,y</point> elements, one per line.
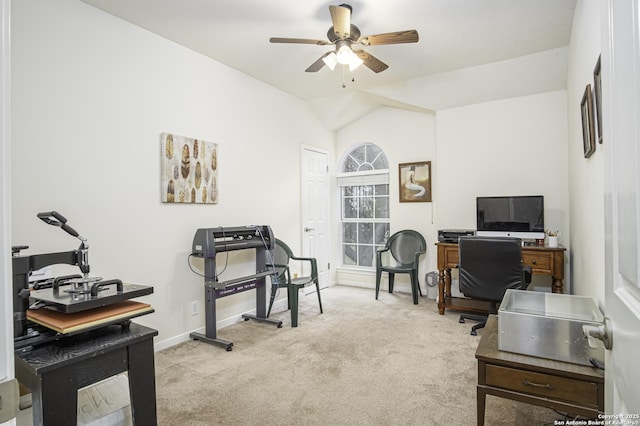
<point>415,182</point>
<point>588,128</point>
<point>597,91</point>
<point>189,170</point>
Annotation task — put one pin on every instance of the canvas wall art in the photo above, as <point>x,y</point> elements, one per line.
<point>415,182</point>
<point>189,170</point>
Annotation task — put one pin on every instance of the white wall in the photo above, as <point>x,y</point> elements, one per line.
<point>91,96</point>
<point>586,189</point>
<point>514,146</point>
<point>404,136</point>
<point>510,147</point>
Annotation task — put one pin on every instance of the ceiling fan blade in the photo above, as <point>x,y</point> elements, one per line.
<point>317,64</point>
<point>409,36</point>
<point>298,41</point>
<point>373,63</point>
<point>341,18</point>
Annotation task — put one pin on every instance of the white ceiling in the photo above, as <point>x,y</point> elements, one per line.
<point>454,34</point>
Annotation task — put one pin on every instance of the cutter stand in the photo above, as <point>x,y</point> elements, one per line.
<point>207,243</point>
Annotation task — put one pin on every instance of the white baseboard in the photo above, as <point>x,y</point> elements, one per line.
<point>185,337</point>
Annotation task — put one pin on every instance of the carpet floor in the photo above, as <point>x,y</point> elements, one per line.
<point>362,362</point>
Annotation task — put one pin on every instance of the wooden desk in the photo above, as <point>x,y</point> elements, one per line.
<point>571,388</point>
<point>542,259</point>
<point>55,371</point>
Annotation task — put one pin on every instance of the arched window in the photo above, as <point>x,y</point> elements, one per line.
<point>364,193</point>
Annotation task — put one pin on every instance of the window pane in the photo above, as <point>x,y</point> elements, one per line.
<point>382,232</point>
<point>349,190</point>
<point>349,254</point>
<point>373,151</point>
<point>365,256</point>
<point>358,154</point>
<point>382,207</point>
<point>350,165</point>
<point>366,207</point>
<point>349,232</point>
<point>381,163</point>
<point>350,207</point>
<point>382,189</point>
<point>365,233</point>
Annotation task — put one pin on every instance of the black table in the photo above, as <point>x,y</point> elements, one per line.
<point>55,371</point>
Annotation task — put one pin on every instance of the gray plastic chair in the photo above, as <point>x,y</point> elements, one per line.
<point>281,278</point>
<point>401,255</point>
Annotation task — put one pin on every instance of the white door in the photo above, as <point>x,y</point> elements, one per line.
<point>315,210</point>
<point>621,145</point>
<point>6,299</point>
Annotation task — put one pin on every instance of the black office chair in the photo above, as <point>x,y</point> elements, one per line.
<point>278,259</point>
<point>401,255</point>
<point>488,267</point>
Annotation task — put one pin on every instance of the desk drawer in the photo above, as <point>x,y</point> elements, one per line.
<point>540,262</point>
<point>545,385</point>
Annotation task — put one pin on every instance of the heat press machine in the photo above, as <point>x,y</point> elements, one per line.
<point>67,305</point>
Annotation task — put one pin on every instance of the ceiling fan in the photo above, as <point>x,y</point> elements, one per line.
<point>343,34</point>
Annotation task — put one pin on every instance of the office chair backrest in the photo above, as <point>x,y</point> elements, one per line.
<point>404,245</point>
<point>489,266</point>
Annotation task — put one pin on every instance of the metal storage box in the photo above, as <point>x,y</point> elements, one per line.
<point>549,325</point>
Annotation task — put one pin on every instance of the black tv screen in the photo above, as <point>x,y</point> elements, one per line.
<point>514,214</point>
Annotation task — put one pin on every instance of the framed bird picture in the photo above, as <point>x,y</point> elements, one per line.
<point>189,170</point>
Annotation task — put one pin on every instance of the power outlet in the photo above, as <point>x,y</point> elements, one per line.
<point>194,308</point>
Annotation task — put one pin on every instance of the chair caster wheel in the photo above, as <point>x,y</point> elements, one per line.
<point>280,325</point>
<point>461,320</point>
<point>246,319</point>
<point>474,333</point>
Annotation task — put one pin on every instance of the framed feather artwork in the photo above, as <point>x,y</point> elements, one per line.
<point>189,170</point>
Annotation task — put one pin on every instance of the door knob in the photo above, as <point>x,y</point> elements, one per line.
<point>601,332</point>
<point>309,229</point>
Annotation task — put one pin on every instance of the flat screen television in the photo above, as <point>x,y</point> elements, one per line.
<point>519,216</point>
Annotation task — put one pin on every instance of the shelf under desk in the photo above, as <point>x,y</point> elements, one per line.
<point>543,260</point>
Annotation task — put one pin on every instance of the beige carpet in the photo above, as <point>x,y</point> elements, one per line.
<point>362,362</point>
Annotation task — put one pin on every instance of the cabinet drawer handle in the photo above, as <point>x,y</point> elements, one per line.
<point>537,385</point>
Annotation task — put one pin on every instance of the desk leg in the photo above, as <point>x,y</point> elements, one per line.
<point>60,407</point>
<point>441,291</point>
<point>142,383</point>
<point>482,399</point>
<point>447,282</point>
<point>557,285</point>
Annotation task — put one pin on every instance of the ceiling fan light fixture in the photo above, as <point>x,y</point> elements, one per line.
<point>344,54</point>
<point>331,60</point>
<point>354,61</point>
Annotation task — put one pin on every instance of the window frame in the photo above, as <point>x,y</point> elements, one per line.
<point>361,179</point>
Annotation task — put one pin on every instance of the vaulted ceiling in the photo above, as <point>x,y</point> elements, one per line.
<point>454,35</point>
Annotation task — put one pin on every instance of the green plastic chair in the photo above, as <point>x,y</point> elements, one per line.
<point>281,278</point>
<point>401,255</point>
